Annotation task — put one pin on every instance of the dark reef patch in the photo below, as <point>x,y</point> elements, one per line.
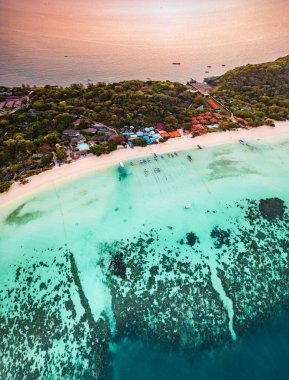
<point>160,295</point>
<point>117,266</point>
<point>272,208</point>
<point>51,319</point>
<point>15,218</point>
<point>221,237</point>
<point>256,276</point>
<point>168,296</point>
<point>122,174</point>
<point>192,239</point>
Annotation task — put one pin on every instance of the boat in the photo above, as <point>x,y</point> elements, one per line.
<point>209,66</point>
<point>176,154</point>
<point>207,72</point>
<point>189,157</point>
<point>121,164</point>
<point>199,147</point>
<point>223,65</point>
<point>176,63</point>
<point>242,142</point>
<point>187,206</point>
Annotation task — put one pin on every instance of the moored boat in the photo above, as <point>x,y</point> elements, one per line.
<point>121,164</point>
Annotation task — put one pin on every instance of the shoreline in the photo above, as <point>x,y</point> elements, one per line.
<point>59,174</point>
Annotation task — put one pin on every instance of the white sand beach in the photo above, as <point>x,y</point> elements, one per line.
<point>90,163</point>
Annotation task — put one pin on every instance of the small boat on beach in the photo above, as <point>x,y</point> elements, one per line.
<point>121,164</point>
<point>176,63</point>
<point>189,157</point>
<point>199,147</point>
<point>223,65</point>
<point>209,66</point>
<point>242,142</point>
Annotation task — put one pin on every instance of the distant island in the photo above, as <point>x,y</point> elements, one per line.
<point>44,126</point>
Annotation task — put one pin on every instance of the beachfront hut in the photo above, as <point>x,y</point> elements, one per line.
<point>174,134</point>
<point>127,134</point>
<point>198,129</point>
<point>147,139</point>
<point>2,104</point>
<point>165,135</point>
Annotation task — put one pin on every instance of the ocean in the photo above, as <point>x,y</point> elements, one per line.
<point>166,268</point>
<point>60,43</point>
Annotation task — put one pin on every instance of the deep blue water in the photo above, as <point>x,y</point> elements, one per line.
<point>261,354</point>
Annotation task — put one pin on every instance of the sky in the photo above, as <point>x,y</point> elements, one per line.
<point>33,33</point>
<point>145,20</point>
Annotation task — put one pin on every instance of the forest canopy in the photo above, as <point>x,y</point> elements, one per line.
<point>258,91</point>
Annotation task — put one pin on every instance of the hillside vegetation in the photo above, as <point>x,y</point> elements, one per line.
<point>256,92</point>
<point>32,138</point>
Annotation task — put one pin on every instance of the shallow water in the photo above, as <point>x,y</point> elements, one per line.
<point>114,254</point>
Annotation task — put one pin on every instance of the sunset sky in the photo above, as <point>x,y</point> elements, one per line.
<point>146,19</point>
<point>35,35</point>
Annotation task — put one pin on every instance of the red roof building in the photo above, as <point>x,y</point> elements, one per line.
<point>198,127</point>
<point>9,104</point>
<point>241,120</point>
<point>213,104</point>
<point>160,126</point>
<point>2,104</point>
<point>165,135</point>
<point>174,134</point>
<point>89,130</point>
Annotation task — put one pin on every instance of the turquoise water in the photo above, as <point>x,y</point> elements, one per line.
<point>113,259</point>
<point>83,146</point>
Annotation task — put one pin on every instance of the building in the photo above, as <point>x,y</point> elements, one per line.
<point>71,133</point>
<point>214,105</point>
<point>198,129</point>
<point>9,104</point>
<point>89,130</point>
